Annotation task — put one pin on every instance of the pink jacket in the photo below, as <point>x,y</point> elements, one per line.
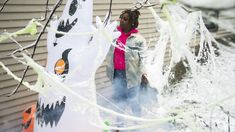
<point>119,55</point>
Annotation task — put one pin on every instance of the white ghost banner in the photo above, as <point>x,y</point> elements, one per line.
<point>74,59</point>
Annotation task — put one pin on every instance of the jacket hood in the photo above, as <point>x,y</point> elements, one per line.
<point>134,30</point>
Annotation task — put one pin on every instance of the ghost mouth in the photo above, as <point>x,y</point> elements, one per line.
<point>50,113</point>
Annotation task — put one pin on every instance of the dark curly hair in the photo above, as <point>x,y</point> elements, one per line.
<point>133,17</point>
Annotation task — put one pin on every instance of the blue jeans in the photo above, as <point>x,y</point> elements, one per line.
<point>123,96</point>
<point>141,96</point>
<point>133,97</point>
<point>120,85</point>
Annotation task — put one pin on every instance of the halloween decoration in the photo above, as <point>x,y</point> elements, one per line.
<point>28,119</point>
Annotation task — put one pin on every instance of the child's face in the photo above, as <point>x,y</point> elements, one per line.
<point>125,23</point>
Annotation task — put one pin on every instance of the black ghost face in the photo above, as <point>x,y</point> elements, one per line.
<point>52,115</point>
<point>73,7</point>
<point>64,28</point>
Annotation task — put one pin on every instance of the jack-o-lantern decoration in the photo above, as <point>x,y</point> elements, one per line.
<point>62,65</point>
<point>28,119</point>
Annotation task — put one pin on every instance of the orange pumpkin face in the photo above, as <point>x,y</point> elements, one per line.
<point>28,119</point>
<point>59,67</point>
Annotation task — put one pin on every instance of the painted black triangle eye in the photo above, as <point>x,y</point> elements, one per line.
<point>28,110</point>
<point>62,27</point>
<point>73,7</point>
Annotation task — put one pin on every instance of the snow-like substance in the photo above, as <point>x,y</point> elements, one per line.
<point>212,4</point>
